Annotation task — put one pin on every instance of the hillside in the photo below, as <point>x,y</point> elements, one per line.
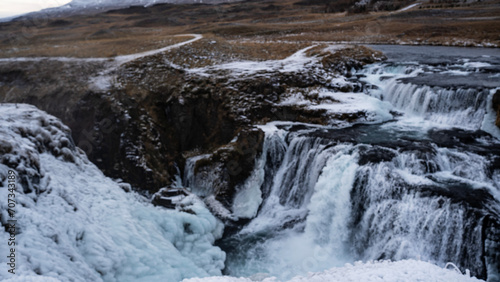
<point>140,28</point>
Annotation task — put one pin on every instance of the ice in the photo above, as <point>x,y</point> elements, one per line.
<point>218,209</point>
<point>488,124</point>
<point>78,225</point>
<point>368,109</point>
<point>376,110</point>
<point>387,271</point>
<point>248,196</point>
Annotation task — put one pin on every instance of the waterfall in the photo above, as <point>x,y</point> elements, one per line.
<point>463,107</point>
<point>308,200</point>
<point>200,182</point>
<point>413,207</point>
<point>456,107</point>
<point>423,186</point>
<point>327,203</point>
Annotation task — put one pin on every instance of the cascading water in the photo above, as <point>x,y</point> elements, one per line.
<point>303,207</point>
<point>424,186</point>
<point>440,91</point>
<point>462,107</point>
<point>333,202</point>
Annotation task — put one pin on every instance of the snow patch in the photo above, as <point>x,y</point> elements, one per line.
<point>387,271</point>
<point>75,224</point>
<point>367,108</point>
<point>293,63</point>
<point>409,7</point>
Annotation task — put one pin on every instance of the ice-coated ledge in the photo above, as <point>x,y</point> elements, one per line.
<point>387,271</point>
<point>75,224</point>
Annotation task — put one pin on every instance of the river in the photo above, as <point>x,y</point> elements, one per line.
<point>422,185</point>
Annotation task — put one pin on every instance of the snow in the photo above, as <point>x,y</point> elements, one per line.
<point>372,110</point>
<point>78,225</point>
<point>409,7</point>
<point>128,58</point>
<point>387,271</point>
<point>218,209</point>
<point>294,63</point>
<point>105,79</point>
<point>376,110</point>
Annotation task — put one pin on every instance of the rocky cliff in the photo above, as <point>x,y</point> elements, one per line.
<point>155,114</point>
<point>496,107</point>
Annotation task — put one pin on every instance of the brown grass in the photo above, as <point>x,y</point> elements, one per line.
<point>92,47</point>
<point>246,30</point>
<point>214,49</point>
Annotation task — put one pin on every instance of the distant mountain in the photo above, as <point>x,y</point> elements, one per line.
<point>97,6</point>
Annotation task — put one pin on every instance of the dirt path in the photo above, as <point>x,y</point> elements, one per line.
<point>116,61</point>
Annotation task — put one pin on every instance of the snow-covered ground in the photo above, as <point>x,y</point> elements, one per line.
<point>387,271</point>
<point>369,109</point>
<point>294,63</point>
<point>104,80</point>
<point>75,224</point>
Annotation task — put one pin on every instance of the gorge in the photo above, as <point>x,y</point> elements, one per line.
<point>331,155</point>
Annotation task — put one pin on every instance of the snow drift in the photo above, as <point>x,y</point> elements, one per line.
<point>405,270</point>
<point>75,224</point>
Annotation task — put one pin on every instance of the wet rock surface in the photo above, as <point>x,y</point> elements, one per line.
<point>496,107</point>
<point>156,115</point>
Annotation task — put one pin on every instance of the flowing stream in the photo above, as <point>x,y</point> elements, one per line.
<point>425,185</point>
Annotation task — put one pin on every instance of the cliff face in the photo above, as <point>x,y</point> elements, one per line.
<point>66,207</point>
<point>156,115</point>
<point>496,107</point>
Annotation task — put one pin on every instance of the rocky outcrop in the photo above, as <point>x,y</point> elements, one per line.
<point>342,61</point>
<point>156,115</point>
<point>219,172</point>
<point>26,134</point>
<point>496,107</point>
<point>491,239</point>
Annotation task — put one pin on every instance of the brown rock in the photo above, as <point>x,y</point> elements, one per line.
<point>496,107</point>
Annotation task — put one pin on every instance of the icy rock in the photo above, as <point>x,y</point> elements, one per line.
<point>169,197</point>
<point>405,270</point>
<point>81,225</point>
<point>496,107</point>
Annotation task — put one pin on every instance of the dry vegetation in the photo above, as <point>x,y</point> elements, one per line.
<point>255,29</point>
<point>214,49</point>
<point>102,46</point>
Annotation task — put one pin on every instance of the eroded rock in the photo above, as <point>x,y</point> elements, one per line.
<point>496,107</point>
